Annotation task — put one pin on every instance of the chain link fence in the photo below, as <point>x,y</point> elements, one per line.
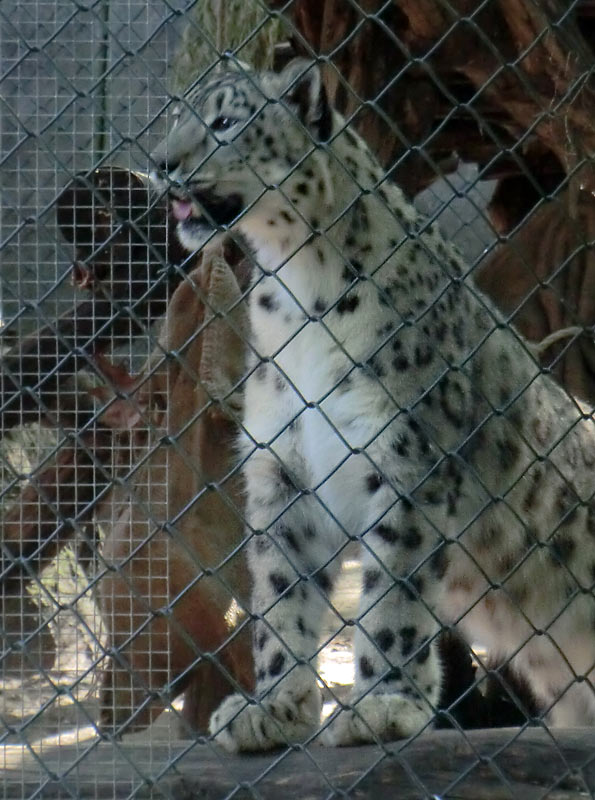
<point>126,613</point>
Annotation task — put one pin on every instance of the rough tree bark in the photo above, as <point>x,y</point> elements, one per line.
<point>506,84</point>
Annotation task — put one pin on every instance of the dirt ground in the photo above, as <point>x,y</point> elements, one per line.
<point>60,705</point>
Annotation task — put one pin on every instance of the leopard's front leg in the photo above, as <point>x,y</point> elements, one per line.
<point>288,603</point>
<point>398,674</point>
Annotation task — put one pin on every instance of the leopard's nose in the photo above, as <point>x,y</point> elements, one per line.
<point>165,166</point>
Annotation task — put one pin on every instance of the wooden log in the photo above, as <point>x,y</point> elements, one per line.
<point>122,242</point>
<point>542,278</point>
<point>59,497</point>
<point>33,374</point>
<point>173,539</point>
<point>479,765</point>
<point>511,70</point>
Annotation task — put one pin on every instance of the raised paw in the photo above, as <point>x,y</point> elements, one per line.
<point>289,714</point>
<point>377,716</point>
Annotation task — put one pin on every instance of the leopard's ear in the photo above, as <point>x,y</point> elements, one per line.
<point>229,62</point>
<point>302,89</point>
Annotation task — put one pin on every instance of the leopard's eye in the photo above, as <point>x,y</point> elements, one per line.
<point>222,123</point>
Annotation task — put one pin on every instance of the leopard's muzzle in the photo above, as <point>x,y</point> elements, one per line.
<point>219,210</point>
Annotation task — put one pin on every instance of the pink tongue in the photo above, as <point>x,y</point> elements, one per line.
<point>182,209</point>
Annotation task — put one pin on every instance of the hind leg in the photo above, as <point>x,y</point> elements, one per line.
<point>564,692</point>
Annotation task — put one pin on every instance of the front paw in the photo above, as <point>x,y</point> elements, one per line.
<point>377,716</point>
<point>288,715</point>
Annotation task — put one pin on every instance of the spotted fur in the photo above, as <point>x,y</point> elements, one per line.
<point>388,403</point>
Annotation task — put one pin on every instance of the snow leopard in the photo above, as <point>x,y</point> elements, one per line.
<point>387,403</point>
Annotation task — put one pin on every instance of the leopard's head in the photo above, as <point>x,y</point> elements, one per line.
<point>237,145</point>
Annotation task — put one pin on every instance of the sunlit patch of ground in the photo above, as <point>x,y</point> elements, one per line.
<point>60,707</point>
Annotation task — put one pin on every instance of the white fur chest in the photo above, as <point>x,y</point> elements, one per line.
<point>299,319</point>
<point>307,396</point>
